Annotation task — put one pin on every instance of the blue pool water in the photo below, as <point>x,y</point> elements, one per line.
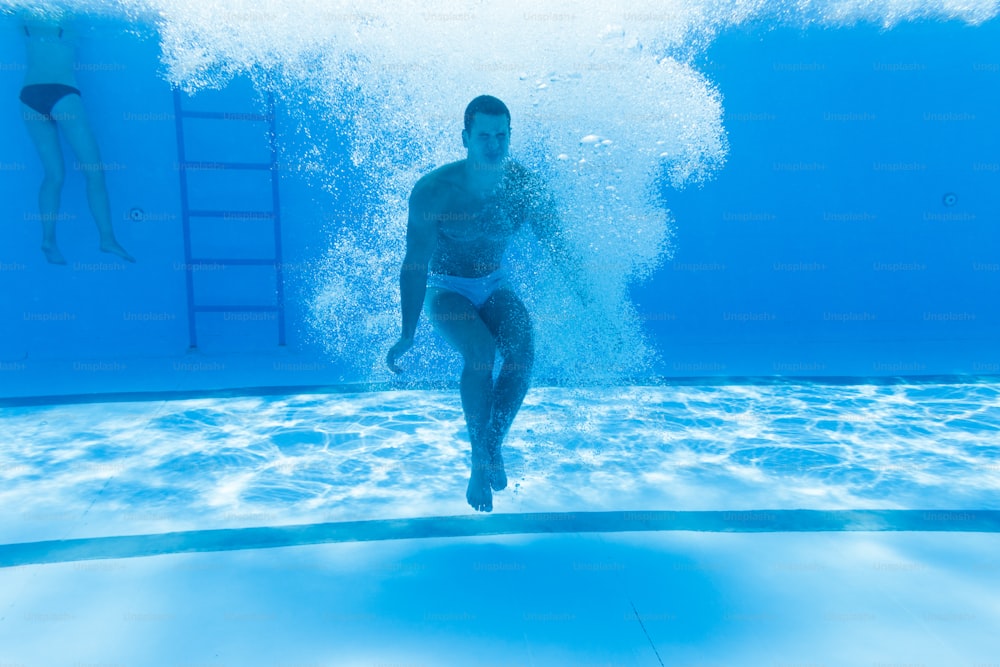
<point>788,216</point>
<point>786,191</point>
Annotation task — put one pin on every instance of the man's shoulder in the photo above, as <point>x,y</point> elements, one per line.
<point>445,176</point>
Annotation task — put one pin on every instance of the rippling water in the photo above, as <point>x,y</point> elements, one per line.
<point>203,463</point>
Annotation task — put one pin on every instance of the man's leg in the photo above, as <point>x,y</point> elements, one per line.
<point>72,119</point>
<point>456,319</point>
<point>507,319</point>
<point>45,136</point>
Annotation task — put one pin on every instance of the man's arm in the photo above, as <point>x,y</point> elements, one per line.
<point>421,237</point>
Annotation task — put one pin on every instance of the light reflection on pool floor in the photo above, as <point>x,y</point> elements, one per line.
<point>128,468</point>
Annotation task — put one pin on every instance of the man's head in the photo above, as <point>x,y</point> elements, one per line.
<point>487,129</point>
<point>485,104</point>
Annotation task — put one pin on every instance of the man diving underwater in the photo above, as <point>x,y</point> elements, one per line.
<point>462,217</point>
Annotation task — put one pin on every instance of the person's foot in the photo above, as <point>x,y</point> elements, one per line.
<point>114,248</point>
<point>478,494</point>
<point>53,254</point>
<point>498,476</point>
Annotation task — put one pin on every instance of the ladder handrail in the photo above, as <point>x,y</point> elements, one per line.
<point>279,273</point>
<point>185,220</point>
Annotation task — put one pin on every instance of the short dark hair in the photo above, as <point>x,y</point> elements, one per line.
<point>488,105</point>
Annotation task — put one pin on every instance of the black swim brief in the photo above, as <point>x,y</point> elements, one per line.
<point>43,96</point>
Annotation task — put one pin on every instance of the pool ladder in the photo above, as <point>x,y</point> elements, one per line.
<point>187,214</point>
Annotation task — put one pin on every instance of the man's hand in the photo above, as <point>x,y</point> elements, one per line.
<point>396,351</point>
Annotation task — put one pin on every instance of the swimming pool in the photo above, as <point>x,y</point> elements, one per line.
<point>748,451</point>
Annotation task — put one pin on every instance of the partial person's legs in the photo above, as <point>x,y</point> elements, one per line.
<point>456,319</point>
<point>72,119</point>
<point>45,136</point>
<point>507,319</point>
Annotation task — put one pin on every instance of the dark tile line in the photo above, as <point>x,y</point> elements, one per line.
<point>742,521</point>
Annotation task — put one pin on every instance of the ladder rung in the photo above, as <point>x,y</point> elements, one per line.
<point>192,165</point>
<point>235,309</point>
<point>227,115</point>
<point>235,261</point>
<point>254,215</point>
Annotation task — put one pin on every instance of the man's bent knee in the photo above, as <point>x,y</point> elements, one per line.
<point>93,172</point>
<point>519,365</point>
<point>522,350</point>
<point>519,359</point>
<point>480,359</point>
<point>54,179</point>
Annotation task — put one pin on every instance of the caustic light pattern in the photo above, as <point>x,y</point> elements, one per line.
<point>190,464</point>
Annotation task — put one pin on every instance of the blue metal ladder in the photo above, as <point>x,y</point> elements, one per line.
<point>187,214</point>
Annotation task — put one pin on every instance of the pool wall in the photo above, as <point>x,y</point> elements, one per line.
<point>853,231</point>
<point>857,217</point>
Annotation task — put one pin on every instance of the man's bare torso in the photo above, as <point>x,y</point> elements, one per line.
<point>473,227</point>
<point>50,55</point>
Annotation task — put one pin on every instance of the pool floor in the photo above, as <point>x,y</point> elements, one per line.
<point>680,599</point>
<point>813,594</point>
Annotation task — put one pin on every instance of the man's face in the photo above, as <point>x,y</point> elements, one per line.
<point>488,138</point>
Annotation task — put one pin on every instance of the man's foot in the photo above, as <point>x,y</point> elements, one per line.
<point>498,476</point>
<point>114,248</point>
<point>53,254</point>
<point>478,494</point>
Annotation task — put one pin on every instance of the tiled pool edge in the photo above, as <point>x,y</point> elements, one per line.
<point>736,521</point>
<point>374,387</point>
